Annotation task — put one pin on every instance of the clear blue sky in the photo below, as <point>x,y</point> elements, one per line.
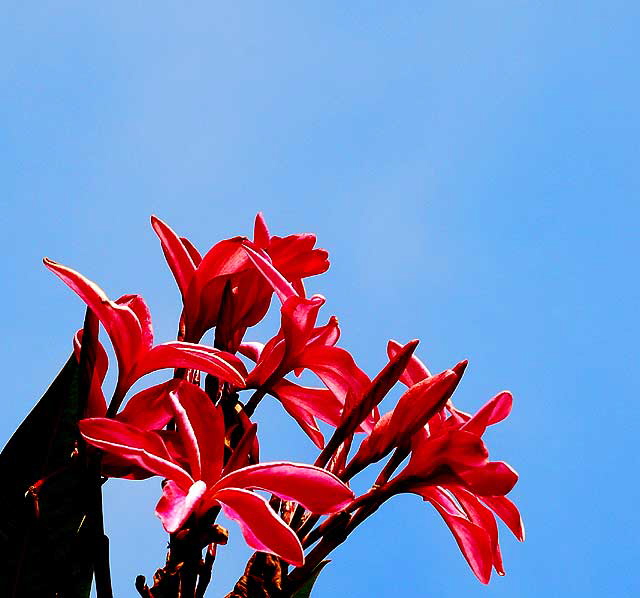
<point>472,167</point>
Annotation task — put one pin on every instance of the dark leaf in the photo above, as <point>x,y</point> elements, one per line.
<point>305,590</point>
<point>46,527</point>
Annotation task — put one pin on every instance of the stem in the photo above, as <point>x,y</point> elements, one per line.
<point>254,401</point>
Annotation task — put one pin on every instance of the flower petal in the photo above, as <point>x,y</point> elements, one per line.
<point>175,505</point>
<point>149,409</point>
<point>176,354</point>
<point>508,512</point>
<point>141,448</point>
<point>494,411</point>
<point>415,371</point>
<point>177,255</point>
<point>261,527</point>
<point>495,478</point>
<point>280,284</point>
<point>315,489</point>
<point>474,542</point>
<point>201,427</point>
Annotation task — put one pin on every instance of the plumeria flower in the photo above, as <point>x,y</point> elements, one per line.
<point>449,467</point>
<point>298,345</point>
<point>197,481</point>
<point>128,324</point>
<point>222,289</point>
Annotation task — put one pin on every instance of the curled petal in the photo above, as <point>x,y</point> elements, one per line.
<point>120,321</point>
<point>176,253</point>
<point>176,354</point>
<point>140,448</point>
<point>201,426</point>
<point>508,512</point>
<point>494,411</point>
<point>315,489</point>
<point>175,505</point>
<point>261,527</point>
<point>495,478</point>
<point>280,284</point>
<point>474,542</point>
<point>149,409</point>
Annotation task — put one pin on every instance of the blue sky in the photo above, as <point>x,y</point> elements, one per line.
<point>472,169</point>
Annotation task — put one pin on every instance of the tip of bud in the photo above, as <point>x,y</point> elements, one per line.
<point>460,367</point>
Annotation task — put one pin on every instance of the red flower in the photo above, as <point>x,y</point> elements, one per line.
<point>449,467</point>
<point>128,324</point>
<point>202,281</point>
<point>197,481</point>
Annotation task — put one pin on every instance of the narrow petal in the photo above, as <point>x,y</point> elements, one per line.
<point>280,284</point>
<point>474,542</point>
<point>175,505</point>
<point>508,512</point>
<point>315,489</point>
<point>120,322</point>
<point>177,255</point>
<point>483,517</point>
<point>141,448</point>
<point>494,411</point>
<point>201,426</point>
<point>320,402</point>
<point>261,527</point>
<point>415,371</point>
<point>177,354</point>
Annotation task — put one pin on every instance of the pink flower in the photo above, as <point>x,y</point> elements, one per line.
<point>202,280</point>
<point>197,481</point>
<point>449,467</point>
<point>128,324</point>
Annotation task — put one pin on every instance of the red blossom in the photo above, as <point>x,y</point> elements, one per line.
<point>197,484</point>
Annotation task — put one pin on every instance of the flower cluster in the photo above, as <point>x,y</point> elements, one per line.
<point>195,429</point>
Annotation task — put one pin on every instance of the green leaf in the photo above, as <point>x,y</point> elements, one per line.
<point>305,590</point>
<point>47,553</point>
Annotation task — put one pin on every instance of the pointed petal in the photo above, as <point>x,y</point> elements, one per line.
<point>420,402</point>
<point>473,541</point>
<point>201,427</point>
<point>415,371</point>
<point>144,449</point>
<point>508,512</point>
<point>320,402</point>
<point>337,369</point>
<point>296,257</point>
<point>494,411</point>
<point>315,489</point>
<point>120,322</point>
<point>262,529</point>
<point>306,421</point>
<point>280,284</point>
<point>175,505</point>
<point>261,234</point>
<point>483,517</point>
<point>177,255</point>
